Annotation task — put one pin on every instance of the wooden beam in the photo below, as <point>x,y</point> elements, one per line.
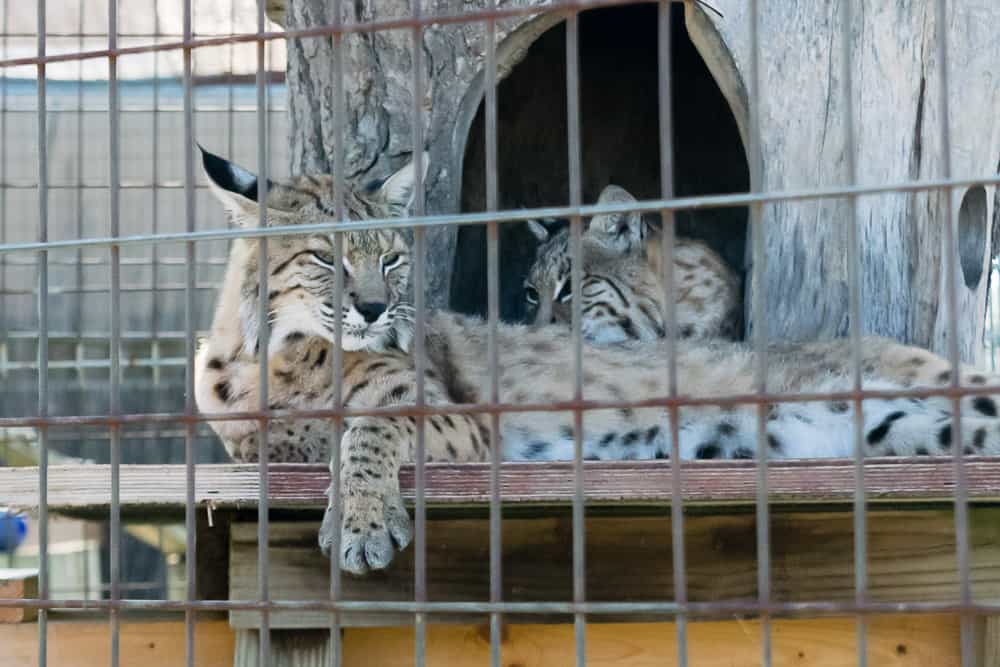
<point>86,642</point>
<point>706,483</point>
<point>911,557</point>
<point>14,585</point>
<point>893,641</point>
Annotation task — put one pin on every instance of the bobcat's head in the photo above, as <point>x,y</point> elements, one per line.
<point>301,268</point>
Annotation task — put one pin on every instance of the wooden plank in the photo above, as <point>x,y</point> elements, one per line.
<point>988,640</point>
<point>911,558</point>
<point>893,641</point>
<point>87,488</point>
<point>18,584</point>
<point>87,643</point>
<point>301,648</point>
<point>212,554</point>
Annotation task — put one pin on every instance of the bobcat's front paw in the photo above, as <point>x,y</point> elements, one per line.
<point>372,528</point>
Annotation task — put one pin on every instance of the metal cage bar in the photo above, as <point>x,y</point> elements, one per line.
<point>336,367</point>
<point>493,318</point>
<point>263,452</point>
<point>190,251</point>
<point>664,83</point>
<point>576,274</point>
<point>420,361</point>
<point>760,334</point>
<point>860,526</point>
<point>114,158</point>
<point>43,322</point>
<point>954,357</point>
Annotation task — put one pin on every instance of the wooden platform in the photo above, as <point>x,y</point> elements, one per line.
<point>162,488</point>
<point>911,556</point>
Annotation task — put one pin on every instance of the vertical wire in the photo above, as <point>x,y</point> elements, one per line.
<point>4,29</point>
<point>854,287</point>
<point>43,337</point>
<point>576,253</point>
<point>190,526</point>
<point>335,656</point>
<point>154,293</point>
<point>951,289</point>
<point>264,637</point>
<point>231,88</point>
<point>114,208</point>
<point>78,302</point>
<point>419,298</point>
<point>493,314</point>
<point>677,542</point>
<point>990,314</point>
<point>759,327</point>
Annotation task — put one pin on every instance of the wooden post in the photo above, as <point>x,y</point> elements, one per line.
<point>15,584</point>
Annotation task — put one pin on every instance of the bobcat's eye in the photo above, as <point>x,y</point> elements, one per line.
<point>531,294</point>
<point>565,292</point>
<point>391,261</point>
<point>325,259</point>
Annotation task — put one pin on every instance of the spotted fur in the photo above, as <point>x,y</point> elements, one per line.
<point>536,368</point>
<point>622,284</point>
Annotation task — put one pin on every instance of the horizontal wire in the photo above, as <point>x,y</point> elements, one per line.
<point>695,609</point>
<point>501,408</point>
<point>409,21</point>
<point>520,215</point>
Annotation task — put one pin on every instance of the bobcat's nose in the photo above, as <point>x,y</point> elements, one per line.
<point>371,310</point>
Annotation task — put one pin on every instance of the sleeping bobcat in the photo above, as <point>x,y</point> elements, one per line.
<point>535,367</point>
<point>622,282</point>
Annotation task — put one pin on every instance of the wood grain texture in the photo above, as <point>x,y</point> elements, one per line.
<point>87,643</point>
<point>911,557</point>
<point>146,488</point>
<point>18,584</point>
<point>302,648</point>
<point>893,641</point>
<point>897,119</point>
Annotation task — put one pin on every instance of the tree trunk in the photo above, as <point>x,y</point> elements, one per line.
<point>897,120</point>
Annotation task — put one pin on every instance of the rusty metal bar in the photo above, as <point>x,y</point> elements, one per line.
<point>190,453</point>
<point>336,367</point>
<point>493,315</point>
<point>576,253</point>
<point>486,408</point>
<point>114,162</point>
<point>419,303</point>
<point>860,527</point>
<point>677,542</point>
<point>263,453</point>
<point>412,22</point>
<point>702,610</point>
<point>43,326</point>
<point>519,215</point>
<point>760,335</point>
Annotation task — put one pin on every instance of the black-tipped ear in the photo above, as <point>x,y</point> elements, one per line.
<point>236,188</point>
<point>544,229</point>
<point>397,191</point>
<point>229,176</point>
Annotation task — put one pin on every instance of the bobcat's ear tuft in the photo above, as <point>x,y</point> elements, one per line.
<point>399,190</point>
<point>544,229</point>
<point>539,230</point>
<point>621,232</point>
<point>236,188</point>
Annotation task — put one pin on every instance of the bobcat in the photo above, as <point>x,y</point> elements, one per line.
<point>536,367</point>
<point>622,281</point>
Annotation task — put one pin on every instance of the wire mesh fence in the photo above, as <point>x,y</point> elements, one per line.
<point>111,254</point>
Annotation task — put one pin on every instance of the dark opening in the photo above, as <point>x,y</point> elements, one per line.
<point>620,143</point>
<point>972,227</point>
